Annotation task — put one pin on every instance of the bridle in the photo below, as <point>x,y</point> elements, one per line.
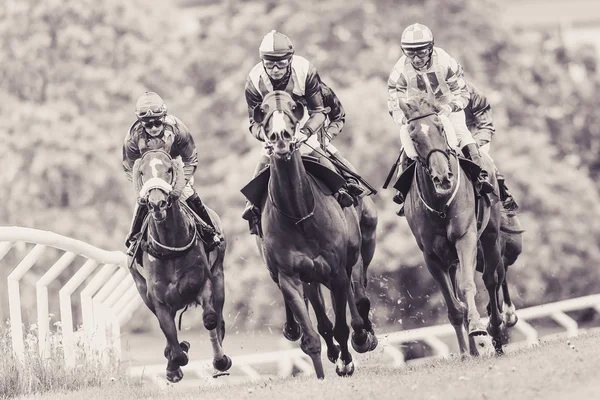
<point>295,144</point>
<point>167,188</point>
<point>424,162</point>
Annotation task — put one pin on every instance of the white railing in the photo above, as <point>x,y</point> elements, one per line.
<point>286,360</point>
<point>107,300</point>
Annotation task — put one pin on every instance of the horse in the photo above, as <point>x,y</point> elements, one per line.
<point>174,270</point>
<point>511,246</point>
<point>440,210</point>
<point>308,239</point>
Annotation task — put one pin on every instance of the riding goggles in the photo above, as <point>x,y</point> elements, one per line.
<point>281,64</point>
<point>145,112</point>
<point>422,53</point>
<point>151,124</point>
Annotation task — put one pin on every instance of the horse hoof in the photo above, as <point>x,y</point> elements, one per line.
<point>496,331</point>
<point>291,333</point>
<point>360,344</point>
<point>373,340</point>
<point>333,353</point>
<point>185,346</point>
<point>344,369</point>
<point>174,376</point>
<point>477,329</point>
<point>223,364</point>
<point>217,374</point>
<point>210,320</point>
<point>483,345</point>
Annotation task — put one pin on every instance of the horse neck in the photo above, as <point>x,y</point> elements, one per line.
<point>289,186</point>
<point>427,188</point>
<point>175,230</point>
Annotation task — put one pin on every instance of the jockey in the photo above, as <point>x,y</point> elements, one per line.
<point>155,129</point>
<point>429,70</point>
<point>478,115</point>
<point>280,69</point>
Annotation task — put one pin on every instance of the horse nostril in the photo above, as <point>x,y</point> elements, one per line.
<point>450,175</point>
<point>436,180</point>
<point>286,135</point>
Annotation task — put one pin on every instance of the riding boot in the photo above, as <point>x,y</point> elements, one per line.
<point>400,197</point>
<point>251,212</point>
<point>208,231</point>
<point>483,182</point>
<point>344,198</point>
<point>139,214</point>
<point>354,187</point>
<point>508,201</point>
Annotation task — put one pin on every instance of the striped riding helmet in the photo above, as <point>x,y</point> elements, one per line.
<point>275,46</point>
<point>416,36</point>
<point>150,106</point>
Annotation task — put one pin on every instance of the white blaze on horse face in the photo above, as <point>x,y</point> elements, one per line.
<point>153,164</point>
<point>425,129</point>
<point>279,124</point>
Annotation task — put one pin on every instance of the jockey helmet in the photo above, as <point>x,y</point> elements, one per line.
<point>150,106</point>
<point>416,36</point>
<point>276,46</point>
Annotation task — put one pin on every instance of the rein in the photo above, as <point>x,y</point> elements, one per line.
<point>173,249</point>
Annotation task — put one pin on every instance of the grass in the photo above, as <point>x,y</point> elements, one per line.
<point>557,369</point>
<point>37,375</point>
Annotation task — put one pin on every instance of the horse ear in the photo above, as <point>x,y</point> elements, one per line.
<point>297,110</point>
<point>259,112</point>
<point>404,107</point>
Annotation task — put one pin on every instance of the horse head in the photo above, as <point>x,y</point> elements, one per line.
<point>159,179</point>
<point>278,116</point>
<point>427,133</point>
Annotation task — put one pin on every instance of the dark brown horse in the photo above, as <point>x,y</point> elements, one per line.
<point>511,245</point>
<point>308,240</point>
<point>440,210</point>
<point>175,270</point>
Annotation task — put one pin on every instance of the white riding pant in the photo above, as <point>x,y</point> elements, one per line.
<point>456,130</point>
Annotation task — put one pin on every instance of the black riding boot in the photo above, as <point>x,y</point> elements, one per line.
<point>139,214</point>
<point>483,182</point>
<point>208,231</point>
<point>354,187</point>
<point>251,212</point>
<point>344,198</point>
<point>399,197</point>
<point>508,201</point>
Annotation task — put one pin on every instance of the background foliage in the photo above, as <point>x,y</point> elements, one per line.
<point>71,71</point>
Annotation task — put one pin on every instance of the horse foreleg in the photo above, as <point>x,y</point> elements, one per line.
<point>340,289</point>
<point>368,231</point>
<point>175,352</point>
<point>291,329</point>
<point>456,308</point>
<point>292,290</point>
<point>363,338</point>
<point>324,325</point>
<point>493,275</point>
<point>218,282</point>
<point>466,248</point>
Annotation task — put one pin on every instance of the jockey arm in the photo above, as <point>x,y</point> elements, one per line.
<point>253,99</point>
<point>397,87</point>
<point>337,114</point>
<point>314,102</point>
<point>131,152</point>
<point>457,85</point>
<point>482,124</point>
<point>184,146</point>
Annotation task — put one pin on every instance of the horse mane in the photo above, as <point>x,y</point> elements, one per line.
<point>135,174</point>
<point>424,104</point>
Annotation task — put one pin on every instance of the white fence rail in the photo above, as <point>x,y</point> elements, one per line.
<point>285,361</point>
<point>107,299</point>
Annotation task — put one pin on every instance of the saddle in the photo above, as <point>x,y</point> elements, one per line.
<point>144,244</point>
<point>326,180</point>
<point>404,182</point>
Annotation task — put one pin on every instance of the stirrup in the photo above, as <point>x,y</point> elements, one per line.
<point>398,198</point>
<point>250,213</point>
<point>344,198</point>
<point>400,211</point>
<point>510,204</point>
